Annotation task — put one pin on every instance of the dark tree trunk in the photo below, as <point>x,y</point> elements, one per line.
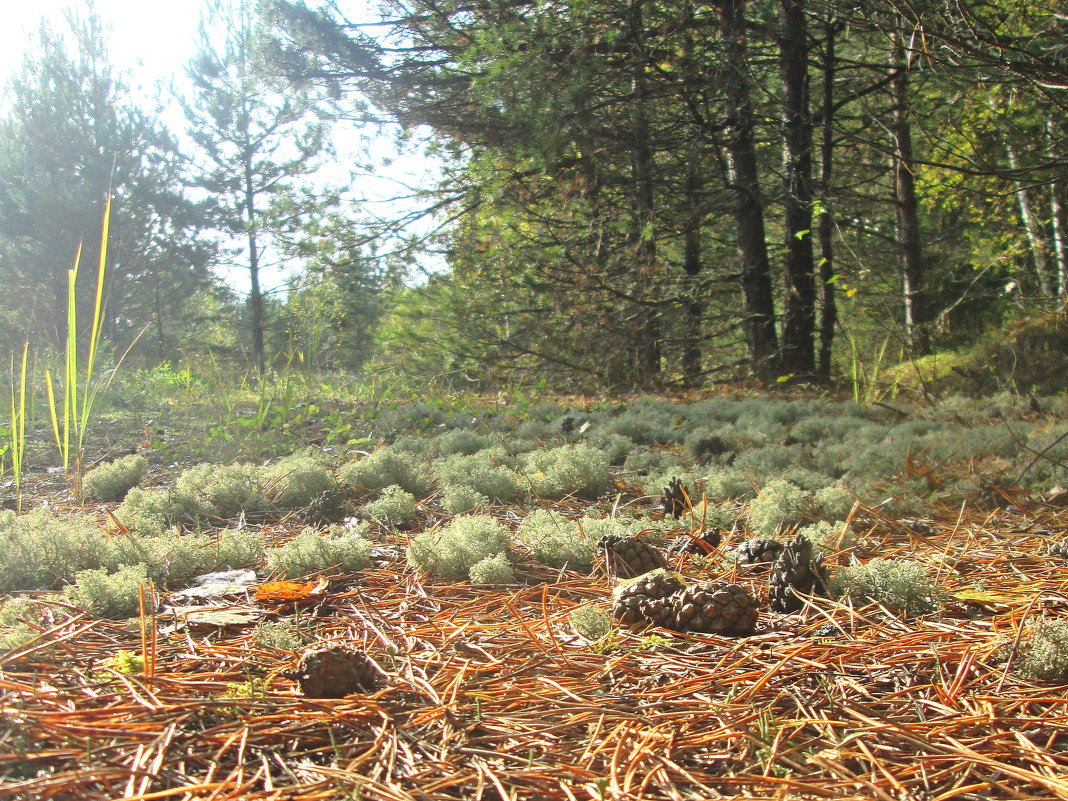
<point>255,295</point>
<point>646,342</point>
<point>826,229</point>
<point>691,264</point>
<point>743,177</point>
<point>908,219</point>
<point>799,312</point>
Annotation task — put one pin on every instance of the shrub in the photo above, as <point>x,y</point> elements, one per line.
<point>591,622</point>
<point>459,499</point>
<point>615,447</point>
<point>652,461</point>
<point>494,569</point>
<point>221,491</point>
<point>296,481</point>
<point>109,595</point>
<point>450,553</point>
<point>556,541</point>
<point>459,441</point>
<point>568,470</point>
<point>901,583</point>
<point>828,536</point>
<point>703,445</point>
<point>238,548</point>
<point>44,550</point>
<point>15,618</point>
<point>151,511</point>
<point>728,484</point>
<point>111,482</point>
<point>833,502</point>
<point>168,558</point>
<point>478,473</point>
<point>778,505</point>
<point>1043,652</point>
<point>310,552</point>
<point>279,634</point>
<point>770,461</point>
<point>384,467</point>
<point>393,507</point>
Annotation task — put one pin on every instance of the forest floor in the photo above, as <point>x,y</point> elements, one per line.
<point>488,692</point>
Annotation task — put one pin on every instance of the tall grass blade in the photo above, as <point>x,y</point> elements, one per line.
<point>18,425</point>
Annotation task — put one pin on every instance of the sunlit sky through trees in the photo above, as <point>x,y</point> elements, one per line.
<point>151,41</point>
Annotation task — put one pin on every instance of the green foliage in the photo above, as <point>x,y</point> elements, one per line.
<point>109,595</point>
<point>591,622</point>
<point>451,552</point>
<point>778,506</point>
<point>567,470</point>
<point>1043,652</point>
<point>16,615</point>
<point>384,467</point>
<point>833,502</point>
<point>279,634</point>
<point>125,662</point>
<point>42,549</point>
<point>111,482</point>
<point>221,491</point>
<point>459,441</point>
<point>494,569</point>
<point>556,541</point>
<point>899,583</point>
<point>311,552</point>
<point>149,511</point>
<point>727,484</point>
<point>169,559</point>
<point>459,498</point>
<point>296,481</point>
<point>239,548</point>
<point>393,507</point>
<point>477,472</point>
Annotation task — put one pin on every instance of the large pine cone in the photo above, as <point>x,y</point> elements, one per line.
<point>758,552</point>
<point>715,607</point>
<point>701,543</point>
<point>796,571</point>
<point>627,557</point>
<point>648,599</point>
<point>334,672</point>
<point>674,498</point>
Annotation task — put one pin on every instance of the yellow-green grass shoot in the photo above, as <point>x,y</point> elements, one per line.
<point>76,418</point>
<point>18,425</point>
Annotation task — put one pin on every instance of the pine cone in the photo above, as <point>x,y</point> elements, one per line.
<point>700,543</point>
<point>715,607</point>
<point>674,498</point>
<point>627,557</point>
<point>758,552</point>
<point>796,571</point>
<point>648,599</point>
<point>1059,549</point>
<point>334,672</point>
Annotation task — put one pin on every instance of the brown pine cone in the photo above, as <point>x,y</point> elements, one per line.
<point>715,607</point>
<point>648,599</point>
<point>796,571</point>
<point>674,498</point>
<point>700,543</point>
<point>627,557</point>
<point>334,672</point>
<point>758,552</point>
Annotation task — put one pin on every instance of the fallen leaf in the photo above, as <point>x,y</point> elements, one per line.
<point>286,590</point>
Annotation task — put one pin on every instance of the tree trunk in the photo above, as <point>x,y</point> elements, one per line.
<point>1059,220</point>
<point>743,176</point>
<point>829,307</point>
<point>691,265</point>
<point>1032,228</point>
<point>255,295</point>
<point>799,313</point>
<point>908,220</point>
<point>646,342</point>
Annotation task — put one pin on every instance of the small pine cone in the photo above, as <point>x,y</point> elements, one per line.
<point>701,543</point>
<point>796,571</point>
<point>674,498</point>
<point>758,552</point>
<point>715,607</point>
<point>648,599</point>
<point>627,557</point>
<point>334,672</point>
<point>1060,549</point>
<point>327,507</point>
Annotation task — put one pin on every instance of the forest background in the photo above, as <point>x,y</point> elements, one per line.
<point>630,195</point>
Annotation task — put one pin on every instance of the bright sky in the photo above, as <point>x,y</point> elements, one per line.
<point>152,40</point>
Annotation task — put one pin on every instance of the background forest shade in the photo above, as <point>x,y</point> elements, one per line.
<point>629,194</point>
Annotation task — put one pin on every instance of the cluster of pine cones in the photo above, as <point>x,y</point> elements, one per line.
<point>660,597</point>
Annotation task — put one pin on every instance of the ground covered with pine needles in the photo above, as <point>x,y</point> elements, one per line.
<point>491,691</point>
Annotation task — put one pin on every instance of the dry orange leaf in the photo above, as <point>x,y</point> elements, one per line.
<point>285,590</point>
